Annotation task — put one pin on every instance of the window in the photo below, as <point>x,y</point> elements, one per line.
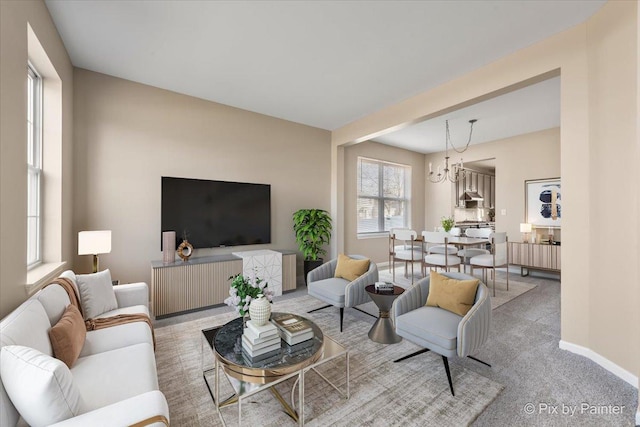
<point>34,167</point>
<point>384,195</point>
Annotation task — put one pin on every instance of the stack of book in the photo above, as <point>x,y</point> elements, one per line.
<point>383,286</point>
<point>260,342</point>
<point>292,329</point>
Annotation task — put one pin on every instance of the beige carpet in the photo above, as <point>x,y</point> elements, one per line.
<point>502,295</point>
<point>414,392</point>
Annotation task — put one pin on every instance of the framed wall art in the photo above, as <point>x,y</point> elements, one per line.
<point>543,202</point>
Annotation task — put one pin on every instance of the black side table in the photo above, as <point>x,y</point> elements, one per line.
<point>383,330</point>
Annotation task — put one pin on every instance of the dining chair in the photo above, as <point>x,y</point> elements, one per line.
<point>441,249</point>
<point>456,231</point>
<point>409,251</point>
<point>468,253</point>
<point>484,232</point>
<point>395,244</point>
<point>443,260</point>
<point>497,258</point>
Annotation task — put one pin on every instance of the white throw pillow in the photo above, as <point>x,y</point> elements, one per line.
<point>40,387</point>
<point>96,293</point>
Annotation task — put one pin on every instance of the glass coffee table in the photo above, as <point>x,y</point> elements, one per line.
<point>248,378</point>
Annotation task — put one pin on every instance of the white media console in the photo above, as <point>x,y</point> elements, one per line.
<point>183,286</point>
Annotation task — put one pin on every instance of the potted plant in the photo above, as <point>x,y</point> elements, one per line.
<point>447,223</point>
<point>245,289</point>
<point>313,231</point>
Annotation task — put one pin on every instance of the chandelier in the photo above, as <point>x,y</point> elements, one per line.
<point>450,174</point>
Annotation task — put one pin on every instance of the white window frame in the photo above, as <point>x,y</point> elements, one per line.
<point>381,198</point>
<point>34,167</point>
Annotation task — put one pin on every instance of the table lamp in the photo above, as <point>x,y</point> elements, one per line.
<point>94,243</point>
<point>525,229</point>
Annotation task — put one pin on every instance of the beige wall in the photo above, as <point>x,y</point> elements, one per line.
<point>377,248</point>
<point>598,65</point>
<point>638,186</point>
<point>530,156</point>
<point>14,18</point>
<point>128,135</point>
<point>613,129</point>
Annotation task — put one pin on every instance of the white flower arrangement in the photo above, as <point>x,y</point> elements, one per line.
<point>243,290</point>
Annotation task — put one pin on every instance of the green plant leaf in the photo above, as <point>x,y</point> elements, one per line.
<point>447,223</point>
<point>312,228</point>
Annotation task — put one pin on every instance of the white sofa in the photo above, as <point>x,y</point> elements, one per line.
<point>115,373</point>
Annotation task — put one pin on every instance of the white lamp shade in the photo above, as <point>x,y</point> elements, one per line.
<point>94,242</point>
<point>525,227</point>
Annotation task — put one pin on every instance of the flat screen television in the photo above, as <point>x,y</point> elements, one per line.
<point>216,213</point>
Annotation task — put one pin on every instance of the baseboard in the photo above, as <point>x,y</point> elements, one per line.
<point>616,370</point>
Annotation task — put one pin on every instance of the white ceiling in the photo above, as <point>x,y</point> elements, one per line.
<point>323,63</point>
<point>531,109</point>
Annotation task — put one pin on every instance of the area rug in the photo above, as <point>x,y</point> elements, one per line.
<point>414,392</point>
<point>516,288</point>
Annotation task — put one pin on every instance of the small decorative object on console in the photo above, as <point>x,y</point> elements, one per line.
<point>185,250</point>
<point>168,246</point>
<point>383,286</point>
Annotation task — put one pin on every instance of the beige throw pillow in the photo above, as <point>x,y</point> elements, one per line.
<point>351,269</point>
<point>96,293</point>
<point>456,296</point>
<point>68,335</point>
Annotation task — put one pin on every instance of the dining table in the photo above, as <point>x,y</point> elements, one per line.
<point>464,242</point>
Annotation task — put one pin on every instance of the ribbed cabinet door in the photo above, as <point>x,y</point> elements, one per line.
<point>542,256</point>
<point>520,253</point>
<point>288,272</point>
<point>190,286</point>
<point>556,261</point>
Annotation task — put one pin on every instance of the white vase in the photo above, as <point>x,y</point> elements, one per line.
<point>260,310</point>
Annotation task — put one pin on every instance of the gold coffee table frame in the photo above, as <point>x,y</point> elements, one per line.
<point>247,380</point>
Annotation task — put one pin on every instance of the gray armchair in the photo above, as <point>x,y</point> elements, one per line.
<point>338,292</point>
<point>439,330</point>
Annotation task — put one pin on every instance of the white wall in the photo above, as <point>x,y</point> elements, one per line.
<point>128,135</point>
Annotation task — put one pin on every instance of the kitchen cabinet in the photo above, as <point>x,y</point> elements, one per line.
<point>492,185</point>
<point>484,184</point>
<point>488,192</point>
<point>535,256</point>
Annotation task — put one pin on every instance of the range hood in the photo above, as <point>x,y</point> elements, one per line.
<point>471,196</point>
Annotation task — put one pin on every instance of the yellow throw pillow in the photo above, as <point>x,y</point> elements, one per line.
<point>456,296</point>
<point>351,269</point>
<point>68,335</point>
